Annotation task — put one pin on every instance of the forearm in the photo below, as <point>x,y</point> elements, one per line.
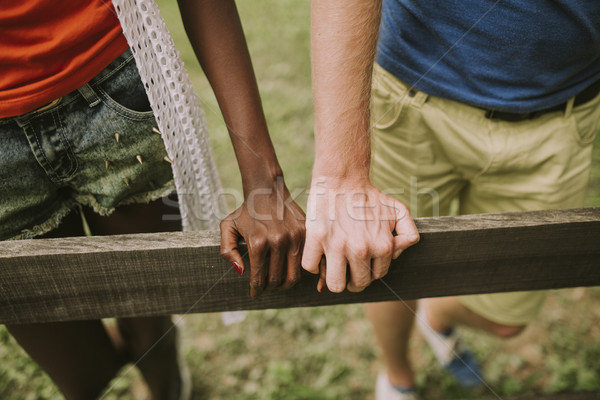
<point>215,31</point>
<point>344,36</point>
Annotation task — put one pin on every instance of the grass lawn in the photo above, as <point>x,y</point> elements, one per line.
<point>328,352</point>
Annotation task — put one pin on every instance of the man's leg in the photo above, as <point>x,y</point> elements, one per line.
<point>392,337</point>
<point>534,165</point>
<point>443,313</point>
<point>407,164</point>
<point>447,146</point>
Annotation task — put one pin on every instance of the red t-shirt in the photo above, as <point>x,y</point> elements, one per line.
<point>49,48</point>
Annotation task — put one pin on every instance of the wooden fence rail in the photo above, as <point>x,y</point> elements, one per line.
<point>175,273</point>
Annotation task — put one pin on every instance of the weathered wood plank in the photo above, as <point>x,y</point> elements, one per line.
<point>174,273</point>
<point>587,395</point>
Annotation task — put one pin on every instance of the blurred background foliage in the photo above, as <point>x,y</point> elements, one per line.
<point>328,353</point>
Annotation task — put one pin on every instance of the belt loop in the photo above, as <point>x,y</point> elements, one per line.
<point>418,98</point>
<point>89,94</point>
<point>569,107</point>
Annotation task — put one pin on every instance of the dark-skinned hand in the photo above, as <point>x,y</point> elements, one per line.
<point>272,225</point>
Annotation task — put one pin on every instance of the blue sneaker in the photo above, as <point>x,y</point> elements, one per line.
<point>451,353</point>
<point>465,369</point>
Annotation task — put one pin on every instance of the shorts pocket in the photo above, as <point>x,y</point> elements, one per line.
<point>388,98</point>
<point>385,111</point>
<point>124,92</point>
<point>586,117</point>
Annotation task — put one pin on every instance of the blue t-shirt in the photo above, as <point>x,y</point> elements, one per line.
<point>509,55</point>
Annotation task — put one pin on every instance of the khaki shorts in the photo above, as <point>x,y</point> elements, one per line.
<point>442,157</point>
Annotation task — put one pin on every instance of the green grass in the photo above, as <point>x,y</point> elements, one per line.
<point>329,353</point>
<point>278,37</point>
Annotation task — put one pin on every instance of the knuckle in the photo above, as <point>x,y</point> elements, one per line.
<point>257,283</point>
<point>379,274</point>
<point>274,281</point>
<point>360,271</point>
<point>360,250</point>
<point>383,249</point>
<point>317,232</point>
<point>362,282</point>
<point>355,289</point>
<point>293,278</point>
<point>225,253</point>
<point>297,235</point>
<point>336,245</point>
<point>305,264</point>
<point>257,243</point>
<point>279,238</point>
<point>225,223</point>
<point>414,238</point>
<point>402,208</point>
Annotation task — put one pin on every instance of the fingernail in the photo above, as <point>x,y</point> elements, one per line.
<point>237,267</point>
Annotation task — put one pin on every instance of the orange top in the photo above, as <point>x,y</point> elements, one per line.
<point>49,48</point>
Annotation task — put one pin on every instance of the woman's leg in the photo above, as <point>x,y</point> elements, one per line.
<point>77,355</point>
<point>80,356</point>
<point>150,341</point>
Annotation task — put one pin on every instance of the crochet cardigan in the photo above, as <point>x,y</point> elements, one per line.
<point>176,106</point>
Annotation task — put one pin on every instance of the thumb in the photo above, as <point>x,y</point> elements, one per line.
<point>229,245</point>
<point>406,230</point>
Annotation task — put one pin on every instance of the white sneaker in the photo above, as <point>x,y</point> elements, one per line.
<point>384,390</point>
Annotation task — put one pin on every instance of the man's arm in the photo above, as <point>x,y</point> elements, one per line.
<point>349,221</point>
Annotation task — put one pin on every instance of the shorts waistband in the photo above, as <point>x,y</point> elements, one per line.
<point>584,96</point>
<point>84,90</point>
<point>112,68</point>
<point>419,98</point>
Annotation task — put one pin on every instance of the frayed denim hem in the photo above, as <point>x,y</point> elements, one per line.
<point>50,224</point>
<point>140,198</point>
<point>89,200</point>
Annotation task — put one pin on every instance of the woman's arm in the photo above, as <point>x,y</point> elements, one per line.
<point>271,224</point>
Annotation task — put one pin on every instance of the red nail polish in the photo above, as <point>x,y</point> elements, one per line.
<point>237,267</point>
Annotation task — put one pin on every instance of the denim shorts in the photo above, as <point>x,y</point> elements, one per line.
<point>98,146</point>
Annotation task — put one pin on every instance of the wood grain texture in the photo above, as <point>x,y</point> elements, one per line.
<point>584,395</point>
<point>176,273</point>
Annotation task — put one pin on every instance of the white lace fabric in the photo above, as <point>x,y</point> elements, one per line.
<point>178,113</point>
